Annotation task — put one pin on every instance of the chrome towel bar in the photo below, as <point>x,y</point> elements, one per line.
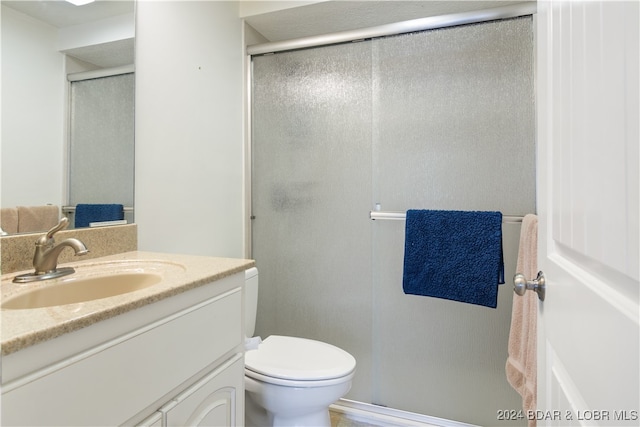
<point>401,216</point>
<point>70,209</point>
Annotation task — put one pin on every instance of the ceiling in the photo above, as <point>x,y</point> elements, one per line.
<point>334,16</point>
<point>324,17</point>
<point>60,13</point>
<point>320,18</point>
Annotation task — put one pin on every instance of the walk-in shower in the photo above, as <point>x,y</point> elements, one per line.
<point>437,119</point>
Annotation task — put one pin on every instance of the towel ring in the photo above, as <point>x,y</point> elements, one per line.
<point>521,285</point>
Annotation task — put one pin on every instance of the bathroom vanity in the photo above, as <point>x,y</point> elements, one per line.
<point>169,353</point>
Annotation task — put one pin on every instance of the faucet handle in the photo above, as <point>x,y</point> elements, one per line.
<point>64,222</point>
<point>43,240</point>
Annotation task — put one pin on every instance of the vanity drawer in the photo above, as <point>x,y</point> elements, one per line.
<point>110,383</point>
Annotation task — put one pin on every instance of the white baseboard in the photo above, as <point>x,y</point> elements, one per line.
<point>389,417</point>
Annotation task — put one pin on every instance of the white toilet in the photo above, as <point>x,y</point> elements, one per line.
<point>291,381</point>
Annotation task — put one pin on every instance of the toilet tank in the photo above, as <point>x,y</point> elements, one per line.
<point>250,300</point>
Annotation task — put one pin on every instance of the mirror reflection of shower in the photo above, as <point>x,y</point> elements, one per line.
<point>101,139</point>
<point>42,43</point>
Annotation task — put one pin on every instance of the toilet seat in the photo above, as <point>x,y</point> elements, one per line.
<point>298,361</point>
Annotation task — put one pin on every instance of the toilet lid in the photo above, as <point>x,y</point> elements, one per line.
<point>293,358</point>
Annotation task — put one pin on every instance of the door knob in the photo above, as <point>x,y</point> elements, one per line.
<point>538,285</point>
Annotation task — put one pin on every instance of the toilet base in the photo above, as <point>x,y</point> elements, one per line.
<point>274,405</point>
<point>255,416</point>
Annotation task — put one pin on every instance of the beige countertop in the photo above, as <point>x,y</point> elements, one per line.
<point>25,327</point>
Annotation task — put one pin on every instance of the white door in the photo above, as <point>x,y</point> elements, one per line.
<point>588,356</point>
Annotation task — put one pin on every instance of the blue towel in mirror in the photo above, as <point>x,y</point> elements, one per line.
<point>87,213</point>
<point>455,255</point>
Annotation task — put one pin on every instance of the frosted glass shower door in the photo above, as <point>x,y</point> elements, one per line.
<point>453,129</point>
<point>442,119</point>
<point>311,191</point>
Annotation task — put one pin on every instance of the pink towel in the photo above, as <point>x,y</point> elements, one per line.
<point>522,364</point>
<point>32,219</point>
<point>9,220</point>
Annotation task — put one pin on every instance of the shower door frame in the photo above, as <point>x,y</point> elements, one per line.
<point>431,23</point>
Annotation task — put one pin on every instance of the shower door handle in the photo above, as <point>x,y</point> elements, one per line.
<point>538,285</point>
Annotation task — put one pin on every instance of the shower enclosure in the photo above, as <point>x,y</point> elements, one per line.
<point>101,138</point>
<point>437,119</point>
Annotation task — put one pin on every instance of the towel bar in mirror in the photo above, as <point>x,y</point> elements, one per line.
<point>521,285</point>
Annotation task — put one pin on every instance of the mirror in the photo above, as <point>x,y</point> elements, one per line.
<point>42,43</point>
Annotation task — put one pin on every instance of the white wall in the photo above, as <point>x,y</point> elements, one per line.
<point>189,137</point>
<point>32,112</point>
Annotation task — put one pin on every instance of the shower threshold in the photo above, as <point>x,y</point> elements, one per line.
<point>350,413</point>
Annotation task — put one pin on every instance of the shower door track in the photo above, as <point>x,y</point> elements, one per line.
<point>413,25</point>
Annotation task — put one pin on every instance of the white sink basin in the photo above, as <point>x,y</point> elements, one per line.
<point>91,282</point>
<point>81,290</point>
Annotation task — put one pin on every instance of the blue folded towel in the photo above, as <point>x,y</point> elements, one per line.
<point>86,213</point>
<point>454,255</point>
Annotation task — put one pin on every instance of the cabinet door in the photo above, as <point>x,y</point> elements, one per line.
<point>154,420</point>
<point>216,400</point>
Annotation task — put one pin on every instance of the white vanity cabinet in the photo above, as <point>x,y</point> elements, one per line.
<point>175,362</point>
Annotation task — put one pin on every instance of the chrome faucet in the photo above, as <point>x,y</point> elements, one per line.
<point>45,259</point>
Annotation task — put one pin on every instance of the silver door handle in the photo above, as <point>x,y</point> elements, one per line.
<point>521,285</point>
